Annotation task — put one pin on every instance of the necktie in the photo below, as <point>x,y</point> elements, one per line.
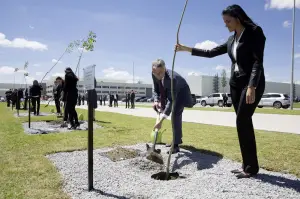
<point>162,96</point>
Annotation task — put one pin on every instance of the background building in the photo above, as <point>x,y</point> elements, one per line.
<point>203,85</point>
<point>6,86</point>
<point>105,87</point>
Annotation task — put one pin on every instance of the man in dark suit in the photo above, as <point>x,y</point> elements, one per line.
<point>127,99</point>
<point>132,99</point>
<point>163,98</point>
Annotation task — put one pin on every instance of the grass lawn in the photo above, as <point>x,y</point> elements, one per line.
<point>258,110</point>
<point>297,105</point>
<point>26,172</point>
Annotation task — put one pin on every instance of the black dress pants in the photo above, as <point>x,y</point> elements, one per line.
<point>244,124</point>
<point>70,108</point>
<point>57,105</point>
<point>36,103</point>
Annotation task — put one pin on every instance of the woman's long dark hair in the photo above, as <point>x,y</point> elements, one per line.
<point>70,71</point>
<point>237,12</point>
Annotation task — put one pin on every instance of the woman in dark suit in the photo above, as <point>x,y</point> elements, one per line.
<point>247,83</point>
<point>71,95</point>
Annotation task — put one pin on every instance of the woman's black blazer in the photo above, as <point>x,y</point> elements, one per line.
<point>249,55</point>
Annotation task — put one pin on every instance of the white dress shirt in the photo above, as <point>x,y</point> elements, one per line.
<point>234,46</point>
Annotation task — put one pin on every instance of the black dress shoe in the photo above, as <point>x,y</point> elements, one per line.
<point>244,175</point>
<point>236,171</point>
<point>175,150</point>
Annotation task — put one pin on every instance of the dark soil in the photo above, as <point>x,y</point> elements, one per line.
<point>162,176</point>
<point>120,154</point>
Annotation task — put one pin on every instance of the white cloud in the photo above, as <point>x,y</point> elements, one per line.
<point>36,65</point>
<point>281,4</point>
<point>58,74</point>
<point>30,79</point>
<point>31,27</point>
<point>286,24</point>
<point>39,73</point>
<point>10,70</point>
<point>297,55</point>
<point>55,60</point>
<point>84,50</point>
<point>113,74</point>
<point>21,43</point>
<point>193,74</point>
<point>268,78</point>
<point>206,45</point>
<point>220,67</point>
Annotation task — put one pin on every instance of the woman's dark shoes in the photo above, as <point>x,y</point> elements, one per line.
<point>236,171</point>
<point>244,175</point>
<point>74,127</point>
<point>175,150</point>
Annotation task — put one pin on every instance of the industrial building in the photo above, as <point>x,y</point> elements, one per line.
<point>203,86</point>
<point>105,87</point>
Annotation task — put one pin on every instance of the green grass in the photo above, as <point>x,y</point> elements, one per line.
<point>296,105</point>
<point>25,172</point>
<point>258,110</point>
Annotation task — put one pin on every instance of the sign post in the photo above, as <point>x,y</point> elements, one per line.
<point>29,110</point>
<point>89,76</point>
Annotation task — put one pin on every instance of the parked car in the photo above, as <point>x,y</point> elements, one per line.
<point>276,100</point>
<point>194,99</point>
<point>150,99</point>
<point>216,99</point>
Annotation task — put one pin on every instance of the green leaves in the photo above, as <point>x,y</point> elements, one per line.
<point>89,43</point>
<point>85,44</point>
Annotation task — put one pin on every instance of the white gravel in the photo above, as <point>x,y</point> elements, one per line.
<point>22,114</point>
<point>206,177</point>
<point>48,127</point>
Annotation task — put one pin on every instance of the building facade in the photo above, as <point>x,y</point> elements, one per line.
<point>111,87</point>
<point>203,86</point>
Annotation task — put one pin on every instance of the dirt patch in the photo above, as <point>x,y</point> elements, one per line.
<point>119,154</point>
<point>146,165</point>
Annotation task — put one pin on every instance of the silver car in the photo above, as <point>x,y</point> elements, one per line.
<point>216,99</point>
<point>276,100</point>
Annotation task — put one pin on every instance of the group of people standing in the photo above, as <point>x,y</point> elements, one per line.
<point>130,99</point>
<point>14,97</point>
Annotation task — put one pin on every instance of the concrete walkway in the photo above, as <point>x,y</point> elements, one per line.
<point>268,122</point>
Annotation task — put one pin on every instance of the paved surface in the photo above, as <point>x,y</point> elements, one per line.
<point>268,122</point>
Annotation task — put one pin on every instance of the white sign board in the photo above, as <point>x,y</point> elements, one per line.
<point>89,77</point>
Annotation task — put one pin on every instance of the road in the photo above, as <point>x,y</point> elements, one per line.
<point>267,122</point>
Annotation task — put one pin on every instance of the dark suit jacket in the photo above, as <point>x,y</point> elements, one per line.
<point>182,91</point>
<point>250,54</point>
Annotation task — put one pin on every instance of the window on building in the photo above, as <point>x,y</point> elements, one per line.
<point>113,87</point>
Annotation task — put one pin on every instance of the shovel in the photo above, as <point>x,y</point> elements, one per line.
<point>152,153</point>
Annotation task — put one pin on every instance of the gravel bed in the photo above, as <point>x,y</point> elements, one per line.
<point>53,127</point>
<point>203,176</point>
<point>25,114</point>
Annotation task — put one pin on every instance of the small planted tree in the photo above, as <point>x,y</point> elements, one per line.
<point>216,84</point>
<point>224,80</point>
<point>84,45</point>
